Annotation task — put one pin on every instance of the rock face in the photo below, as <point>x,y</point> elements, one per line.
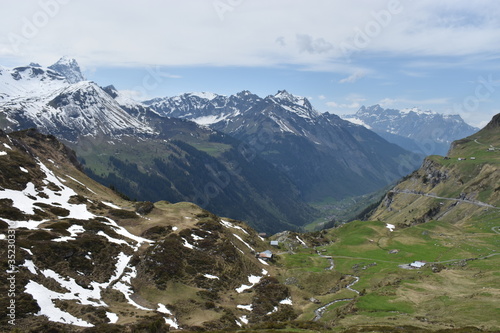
<point>451,188</point>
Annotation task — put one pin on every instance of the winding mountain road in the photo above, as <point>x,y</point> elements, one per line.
<point>473,202</point>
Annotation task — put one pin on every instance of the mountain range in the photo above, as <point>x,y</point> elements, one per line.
<point>263,163</point>
<point>324,155</point>
<point>422,132</point>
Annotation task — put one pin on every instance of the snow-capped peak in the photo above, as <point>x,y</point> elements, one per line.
<point>69,68</point>
<point>417,111</point>
<point>296,104</point>
<point>205,95</point>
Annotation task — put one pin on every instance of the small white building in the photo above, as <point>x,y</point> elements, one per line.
<point>417,264</point>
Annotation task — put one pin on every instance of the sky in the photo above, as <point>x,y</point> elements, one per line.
<point>439,55</point>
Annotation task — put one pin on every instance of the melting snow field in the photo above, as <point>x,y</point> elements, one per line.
<point>24,200</point>
<point>253,279</point>
<point>391,227</point>
<point>44,297</point>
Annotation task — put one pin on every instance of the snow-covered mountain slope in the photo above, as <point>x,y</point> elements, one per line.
<point>424,132</point>
<point>23,83</point>
<point>325,155</point>
<point>39,97</point>
<point>85,257</point>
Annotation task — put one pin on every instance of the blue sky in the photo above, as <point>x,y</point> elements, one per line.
<point>438,55</point>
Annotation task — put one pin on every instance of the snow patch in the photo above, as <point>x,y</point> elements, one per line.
<point>391,227</point>
<point>241,240</point>
<point>113,240</point>
<point>253,279</point>
<point>44,297</point>
<point>262,261</point>
<point>209,276</point>
<point>231,225</point>
<point>75,229</point>
<point>30,266</point>
<point>113,317</point>
<point>245,307</point>
<point>172,322</point>
<point>186,244</point>
<point>196,237</point>
<point>27,250</point>
<point>358,121</point>
<point>301,241</point>
<point>163,309</point>
<point>109,204</point>
<point>287,301</point>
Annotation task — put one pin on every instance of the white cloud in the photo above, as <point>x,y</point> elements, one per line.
<point>353,77</point>
<point>251,33</point>
<point>309,44</point>
<point>353,105</point>
<point>406,102</point>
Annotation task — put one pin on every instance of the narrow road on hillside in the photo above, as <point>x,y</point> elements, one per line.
<point>496,229</point>
<point>473,202</point>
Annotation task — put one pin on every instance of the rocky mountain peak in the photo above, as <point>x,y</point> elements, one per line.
<point>69,68</point>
